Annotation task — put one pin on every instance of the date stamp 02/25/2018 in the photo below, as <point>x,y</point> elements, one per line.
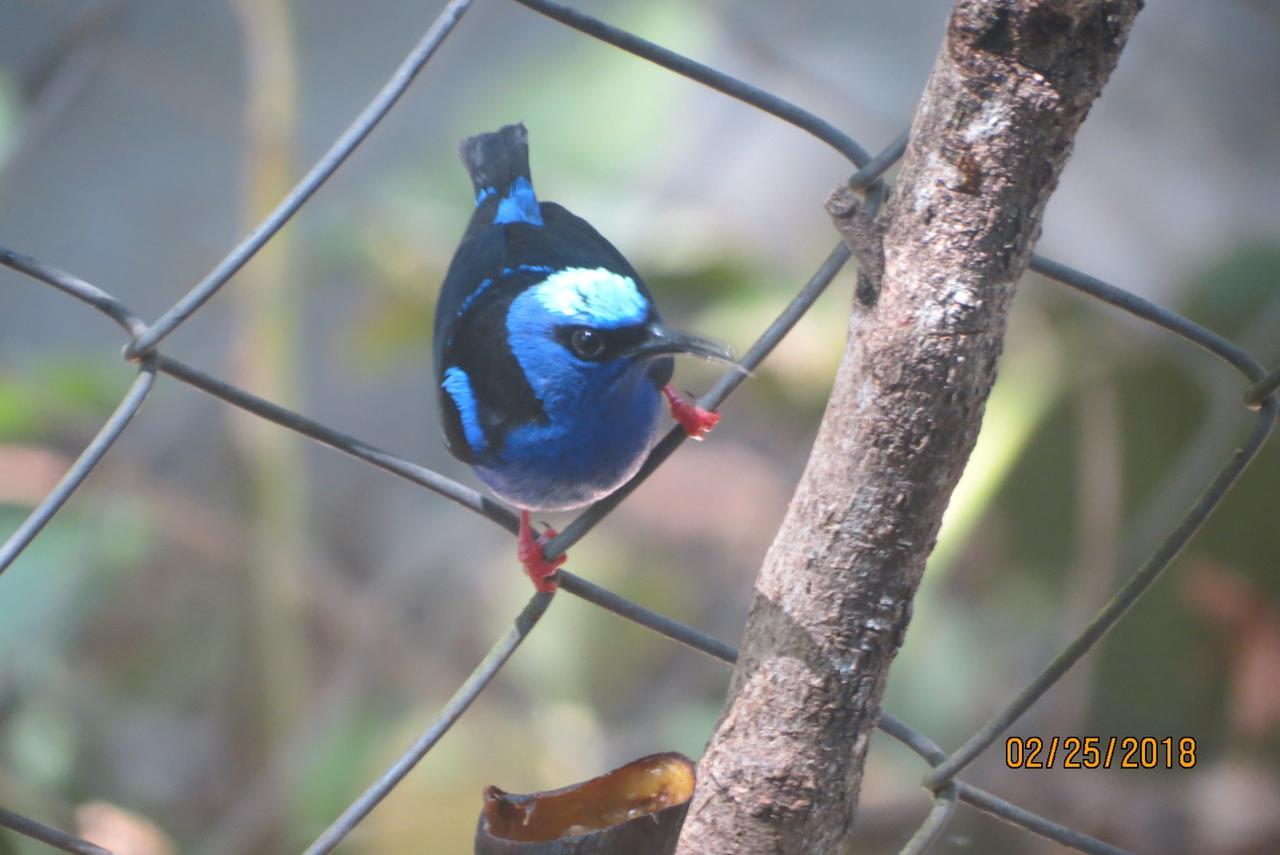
<point>1100,752</point>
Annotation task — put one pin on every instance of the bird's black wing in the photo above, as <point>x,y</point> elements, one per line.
<point>471,334</point>
<point>479,257</point>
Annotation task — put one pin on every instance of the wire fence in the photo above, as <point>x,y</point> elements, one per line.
<point>941,782</point>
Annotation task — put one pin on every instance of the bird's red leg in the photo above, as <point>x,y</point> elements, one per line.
<point>529,550</point>
<point>697,422</point>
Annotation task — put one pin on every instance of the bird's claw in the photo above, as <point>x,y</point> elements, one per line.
<point>697,422</point>
<point>529,551</point>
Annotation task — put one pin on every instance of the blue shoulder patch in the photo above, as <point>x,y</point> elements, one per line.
<point>484,194</point>
<point>458,385</point>
<point>473,296</point>
<point>519,205</point>
<point>525,268</point>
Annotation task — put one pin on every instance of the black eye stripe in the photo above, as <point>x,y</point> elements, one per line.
<point>604,344</point>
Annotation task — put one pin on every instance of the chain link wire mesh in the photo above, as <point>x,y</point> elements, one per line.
<point>941,782</point>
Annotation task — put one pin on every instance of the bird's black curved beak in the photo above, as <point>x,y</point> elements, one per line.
<point>661,340</point>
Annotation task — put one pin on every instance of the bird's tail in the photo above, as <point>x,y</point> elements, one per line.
<point>496,160</point>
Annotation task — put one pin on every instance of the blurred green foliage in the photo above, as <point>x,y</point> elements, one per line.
<point>49,396</point>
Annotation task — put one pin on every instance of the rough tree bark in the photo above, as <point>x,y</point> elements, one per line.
<point>1012,83</point>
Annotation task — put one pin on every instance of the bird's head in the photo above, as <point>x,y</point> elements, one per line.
<point>584,331</point>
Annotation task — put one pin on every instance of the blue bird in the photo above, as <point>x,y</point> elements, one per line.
<point>551,358</point>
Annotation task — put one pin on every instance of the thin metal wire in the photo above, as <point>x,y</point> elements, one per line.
<point>946,790</point>
<point>636,613</point>
<point>1034,822</point>
<point>912,738</point>
<point>1148,311</point>
<point>55,837</point>
<point>453,710</point>
<point>83,465</point>
<point>470,499</point>
<point>78,288</point>
<point>1264,387</point>
<point>870,172</point>
<point>928,832</point>
<point>310,183</point>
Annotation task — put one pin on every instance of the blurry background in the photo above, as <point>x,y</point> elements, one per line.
<point>229,632</point>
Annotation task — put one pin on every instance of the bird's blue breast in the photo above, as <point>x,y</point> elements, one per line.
<point>581,453</point>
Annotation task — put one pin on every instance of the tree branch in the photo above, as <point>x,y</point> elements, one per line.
<point>1011,85</point>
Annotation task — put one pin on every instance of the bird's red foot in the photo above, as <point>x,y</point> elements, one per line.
<point>697,422</point>
<point>529,550</point>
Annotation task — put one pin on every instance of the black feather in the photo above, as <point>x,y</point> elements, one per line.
<point>496,159</point>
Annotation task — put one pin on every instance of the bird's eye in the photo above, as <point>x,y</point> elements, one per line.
<point>586,343</point>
